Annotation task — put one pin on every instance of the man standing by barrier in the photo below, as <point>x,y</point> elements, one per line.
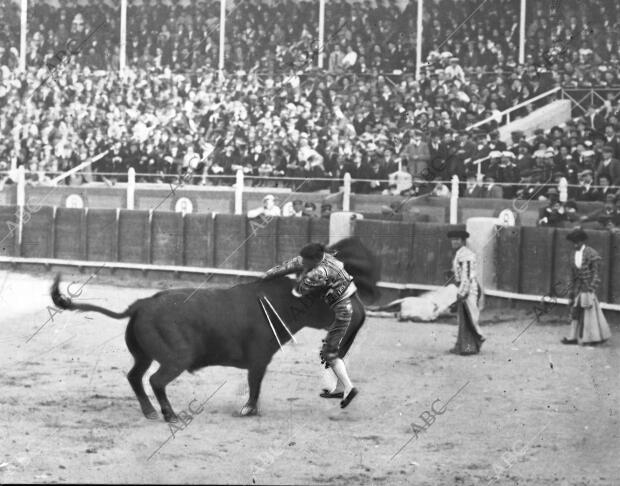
<point>588,324</point>
<point>470,336</point>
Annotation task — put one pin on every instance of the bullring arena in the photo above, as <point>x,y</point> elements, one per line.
<point>447,169</point>
<point>533,411</point>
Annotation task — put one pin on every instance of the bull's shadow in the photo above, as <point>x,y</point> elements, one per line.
<point>189,329</point>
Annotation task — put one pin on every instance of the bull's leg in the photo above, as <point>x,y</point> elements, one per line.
<point>164,375</point>
<point>135,376</point>
<point>142,361</point>
<point>256,372</point>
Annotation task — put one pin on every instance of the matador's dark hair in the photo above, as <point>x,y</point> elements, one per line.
<point>313,251</point>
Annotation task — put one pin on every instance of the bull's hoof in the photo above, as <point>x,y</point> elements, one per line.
<point>171,417</point>
<point>248,411</point>
<point>152,415</point>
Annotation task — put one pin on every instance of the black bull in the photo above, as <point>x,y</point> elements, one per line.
<point>188,329</point>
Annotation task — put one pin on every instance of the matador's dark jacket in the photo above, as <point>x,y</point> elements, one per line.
<point>587,277</point>
<point>328,275</point>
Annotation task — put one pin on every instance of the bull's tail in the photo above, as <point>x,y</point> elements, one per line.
<point>64,302</point>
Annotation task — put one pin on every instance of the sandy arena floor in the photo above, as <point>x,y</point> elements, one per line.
<point>534,412</point>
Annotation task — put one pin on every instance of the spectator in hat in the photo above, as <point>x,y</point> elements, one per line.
<point>604,188</point>
<point>554,214</point>
<point>490,190</point>
<point>417,154</point>
<point>572,212</point>
<point>473,188</point>
<point>611,139</point>
<point>268,209</point>
<point>517,136</point>
<point>326,211</point>
<point>439,153</point>
<point>586,191</point>
<point>310,210</point>
<point>588,160</point>
<point>588,323</point>
<point>495,143</point>
<point>609,166</point>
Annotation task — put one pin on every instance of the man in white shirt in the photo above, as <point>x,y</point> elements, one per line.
<point>453,70</point>
<point>269,208</point>
<point>350,58</point>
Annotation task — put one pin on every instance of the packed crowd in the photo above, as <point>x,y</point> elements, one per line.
<point>274,115</point>
<point>568,37</point>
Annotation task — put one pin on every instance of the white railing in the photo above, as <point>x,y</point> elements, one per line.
<point>506,113</point>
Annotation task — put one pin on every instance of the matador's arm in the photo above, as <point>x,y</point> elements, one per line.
<point>290,266</point>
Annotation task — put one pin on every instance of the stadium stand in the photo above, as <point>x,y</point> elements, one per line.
<point>277,115</point>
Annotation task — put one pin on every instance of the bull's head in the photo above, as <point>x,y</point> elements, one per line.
<point>362,265</point>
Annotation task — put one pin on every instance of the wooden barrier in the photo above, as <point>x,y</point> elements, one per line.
<point>38,233</point>
<point>614,269</point>
<point>536,259</point>
<point>432,253</point>
<point>167,238</point>
<point>261,245</point>
<point>102,235</point>
<point>319,230</point>
<point>70,234</point>
<point>134,237</point>
<point>529,260</point>
<point>392,242</point>
<point>507,261</point>
<point>8,230</point>
<point>293,233</point>
<point>229,240</point>
<point>198,240</point>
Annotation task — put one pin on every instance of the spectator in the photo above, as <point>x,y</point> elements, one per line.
<point>310,210</point>
<point>611,139</point>
<point>604,189</point>
<point>440,189</point>
<point>417,154</point>
<point>473,188</point>
<point>554,214</point>
<point>350,58</point>
<point>268,209</point>
<point>335,59</point>
<point>326,211</point>
<point>609,166</point>
<point>586,192</point>
<point>294,208</point>
<point>490,190</point>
